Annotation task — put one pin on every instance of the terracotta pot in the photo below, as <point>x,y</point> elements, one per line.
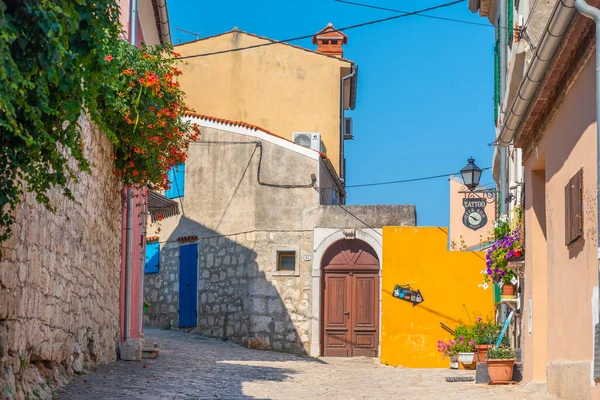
<point>500,370</point>
<point>508,290</point>
<point>482,350</point>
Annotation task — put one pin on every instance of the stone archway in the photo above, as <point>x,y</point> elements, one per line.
<point>350,300</point>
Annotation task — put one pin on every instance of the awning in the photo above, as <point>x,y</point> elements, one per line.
<point>161,207</point>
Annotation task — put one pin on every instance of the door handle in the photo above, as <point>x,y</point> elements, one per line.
<point>346,312</point>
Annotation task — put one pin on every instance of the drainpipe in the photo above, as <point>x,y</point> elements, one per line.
<point>342,161</point>
<point>503,62</point>
<point>502,150</point>
<point>593,13</point>
<point>129,226</point>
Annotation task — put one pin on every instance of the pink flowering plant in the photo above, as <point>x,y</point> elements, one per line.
<point>463,342</point>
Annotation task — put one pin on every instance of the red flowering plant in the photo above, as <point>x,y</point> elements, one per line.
<point>142,112</point>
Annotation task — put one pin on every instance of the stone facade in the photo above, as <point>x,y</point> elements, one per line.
<point>59,281</point>
<point>240,295</point>
<point>241,223</point>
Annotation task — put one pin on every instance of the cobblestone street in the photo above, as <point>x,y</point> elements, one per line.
<point>192,367</point>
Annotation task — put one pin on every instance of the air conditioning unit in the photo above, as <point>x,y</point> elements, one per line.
<point>348,131</point>
<point>312,140</point>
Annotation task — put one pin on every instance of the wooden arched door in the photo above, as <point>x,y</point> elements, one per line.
<point>350,307</point>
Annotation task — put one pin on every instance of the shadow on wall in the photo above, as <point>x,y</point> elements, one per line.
<point>221,293</point>
<point>188,366</point>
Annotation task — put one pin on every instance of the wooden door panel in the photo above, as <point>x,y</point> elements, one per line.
<point>365,309</point>
<point>350,300</point>
<point>336,322</point>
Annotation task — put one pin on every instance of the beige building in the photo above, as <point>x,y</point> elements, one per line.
<point>278,86</point>
<point>472,217</point>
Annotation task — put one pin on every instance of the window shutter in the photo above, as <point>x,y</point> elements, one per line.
<point>152,258</point>
<point>177,178</point>
<point>574,208</point>
<point>509,23</point>
<point>496,77</point>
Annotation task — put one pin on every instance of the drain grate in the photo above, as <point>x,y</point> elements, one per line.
<point>460,379</point>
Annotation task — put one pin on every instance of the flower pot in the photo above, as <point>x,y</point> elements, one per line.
<point>454,362</point>
<point>500,370</point>
<point>508,290</point>
<point>466,358</point>
<point>482,350</point>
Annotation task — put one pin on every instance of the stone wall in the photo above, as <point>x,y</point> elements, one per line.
<point>240,295</point>
<point>59,281</point>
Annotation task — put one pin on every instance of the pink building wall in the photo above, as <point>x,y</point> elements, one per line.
<point>560,307</point>
<point>138,242</point>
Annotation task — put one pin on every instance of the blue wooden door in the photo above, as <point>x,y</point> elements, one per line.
<point>188,285</point>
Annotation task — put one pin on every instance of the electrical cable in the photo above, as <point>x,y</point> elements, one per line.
<point>419,15</point>
<point>360,220</point>
<point>409,180</point>
<point>377,21</point>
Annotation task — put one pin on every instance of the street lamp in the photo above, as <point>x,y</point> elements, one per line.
<point>471,174</point>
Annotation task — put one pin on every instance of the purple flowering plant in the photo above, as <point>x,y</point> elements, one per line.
<point>497,257</point>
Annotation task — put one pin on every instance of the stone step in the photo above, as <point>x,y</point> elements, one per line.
<point>150,350</point>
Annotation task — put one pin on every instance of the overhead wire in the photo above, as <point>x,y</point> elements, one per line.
<point>419,15</point>
<point>377,21</point>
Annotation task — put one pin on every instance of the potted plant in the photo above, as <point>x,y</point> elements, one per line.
<point>507,246</point>
<point>500,363</point>
<point>448,349</point>
<point>146,306</point>
<point>486,334</point>
<point>465,344</point>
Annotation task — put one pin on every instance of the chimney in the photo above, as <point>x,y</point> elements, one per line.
<point>330,41</point>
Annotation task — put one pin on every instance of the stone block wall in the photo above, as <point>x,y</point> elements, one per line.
<point>240,295</point>
<point>59,281</point>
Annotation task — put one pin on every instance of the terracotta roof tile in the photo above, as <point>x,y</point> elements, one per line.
<point>243,125</point>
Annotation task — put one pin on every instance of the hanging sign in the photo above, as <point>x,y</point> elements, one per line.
<point>474,216</point>
<point>406,293</point>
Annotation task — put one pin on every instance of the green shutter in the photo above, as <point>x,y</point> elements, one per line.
<point>497,293</point>
<point>496,77</point>
<point>509,23</point>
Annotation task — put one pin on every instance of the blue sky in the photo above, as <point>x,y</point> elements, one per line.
<point>425,89</point>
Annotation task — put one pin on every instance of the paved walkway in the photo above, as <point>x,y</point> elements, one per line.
<point>192,367</point>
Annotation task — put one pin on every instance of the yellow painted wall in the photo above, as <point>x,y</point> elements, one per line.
<point>448,282</point>
<point>277,87</point>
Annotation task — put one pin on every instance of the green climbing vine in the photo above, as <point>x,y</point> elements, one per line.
<point>59,58</point>
<point>51,54</point>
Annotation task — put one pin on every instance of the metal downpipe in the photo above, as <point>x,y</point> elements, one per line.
<point>129,226</point>
<point>593,13</point>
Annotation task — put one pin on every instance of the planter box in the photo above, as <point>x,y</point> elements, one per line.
<point>466,358</point>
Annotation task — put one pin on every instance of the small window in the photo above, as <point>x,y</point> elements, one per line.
<point>152,258</point>
<point>574,209</point>
<point>334,42</point>
<point>286,261</point>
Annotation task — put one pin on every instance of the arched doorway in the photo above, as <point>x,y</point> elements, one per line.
<point>350,306</point>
